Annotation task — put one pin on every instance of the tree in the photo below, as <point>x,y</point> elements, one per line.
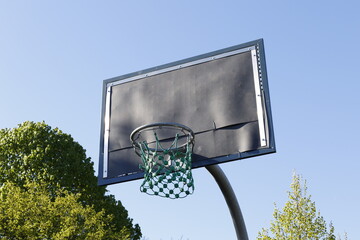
<point>29,212</point>
<point>36,153</point>
<point>299,218</point>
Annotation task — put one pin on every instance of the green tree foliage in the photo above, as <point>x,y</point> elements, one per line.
<point>29,212</point>
<point>36,153</point>
<point>299,218</point>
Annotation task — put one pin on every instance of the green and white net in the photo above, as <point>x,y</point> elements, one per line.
<point>167,171</point>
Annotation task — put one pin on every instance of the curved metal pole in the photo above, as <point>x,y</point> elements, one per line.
<point>231,201</point>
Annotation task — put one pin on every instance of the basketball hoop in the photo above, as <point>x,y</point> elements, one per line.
<point>165,150</point>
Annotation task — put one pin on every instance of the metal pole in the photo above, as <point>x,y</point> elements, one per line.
<point>231,201</point>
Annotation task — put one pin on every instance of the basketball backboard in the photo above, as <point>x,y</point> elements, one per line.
<point>222,96</point>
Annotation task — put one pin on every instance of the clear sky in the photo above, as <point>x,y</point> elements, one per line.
<point>54,56</point>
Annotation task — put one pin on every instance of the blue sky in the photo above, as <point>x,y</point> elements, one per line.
<point>54,56</point>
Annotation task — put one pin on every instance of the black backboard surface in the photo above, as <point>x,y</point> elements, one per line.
<point>222,96</point>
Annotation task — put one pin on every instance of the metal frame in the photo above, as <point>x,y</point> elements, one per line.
<point>268,145</point>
